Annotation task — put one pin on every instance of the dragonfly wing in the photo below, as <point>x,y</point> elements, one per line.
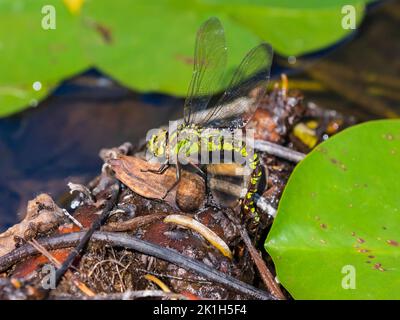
<point>209,65</point>
<point>252,73</point>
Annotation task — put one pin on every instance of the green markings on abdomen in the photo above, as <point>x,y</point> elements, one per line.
<point>255,178</point>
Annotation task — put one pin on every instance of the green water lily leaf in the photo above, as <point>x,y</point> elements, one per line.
<point>145,45</point>
<point>336,234</point>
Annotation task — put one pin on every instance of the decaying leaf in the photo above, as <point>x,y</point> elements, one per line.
<point>42,215</point>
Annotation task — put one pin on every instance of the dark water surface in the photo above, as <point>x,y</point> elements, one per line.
<point>44,148</point>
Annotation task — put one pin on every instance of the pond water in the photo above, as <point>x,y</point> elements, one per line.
<point>44,148</point>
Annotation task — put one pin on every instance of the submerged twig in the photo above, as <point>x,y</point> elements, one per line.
<point>278,150</point>
<point>129,242</point>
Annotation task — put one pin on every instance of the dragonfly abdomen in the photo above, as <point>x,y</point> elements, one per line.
<point>255,178</point>
<point>217,146</point>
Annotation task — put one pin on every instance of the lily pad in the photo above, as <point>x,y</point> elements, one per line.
<point>336,234</point>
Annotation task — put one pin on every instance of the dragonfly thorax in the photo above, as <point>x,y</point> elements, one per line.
<point>185,140</point>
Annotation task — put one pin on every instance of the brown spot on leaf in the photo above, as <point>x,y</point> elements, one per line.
<point>103,30</point>
<point>323,226</point>
<point>388,136</point>
<point>185,59</point>
<point>393,243</point>
<point>378,266</point>
<point>371,257</point>
<point>360,240</point>
<point>339,164</point>
<point>363,250</point>
<point>323,150</point>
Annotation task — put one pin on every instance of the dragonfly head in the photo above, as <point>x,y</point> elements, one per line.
<point>157,144</point>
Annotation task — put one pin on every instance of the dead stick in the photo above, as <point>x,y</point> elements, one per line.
<point>134,223</point>
<point>278,151</point>
<point>266,275</point>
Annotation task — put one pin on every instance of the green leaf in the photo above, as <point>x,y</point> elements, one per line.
<point>28,53</point>
<point>293,27</point>
<point>144,45</point>
<point>341,207</point>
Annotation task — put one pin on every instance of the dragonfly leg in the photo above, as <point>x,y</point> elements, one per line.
<point>160,170</point>
<point>178,178</point>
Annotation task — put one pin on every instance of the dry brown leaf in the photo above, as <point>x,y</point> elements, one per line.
<point>129,170</point>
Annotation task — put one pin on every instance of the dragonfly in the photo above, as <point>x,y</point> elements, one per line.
<point>207,114</point>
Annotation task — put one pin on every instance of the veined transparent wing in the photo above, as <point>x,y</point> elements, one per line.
<point>252,73</point>
<point>209,65</point>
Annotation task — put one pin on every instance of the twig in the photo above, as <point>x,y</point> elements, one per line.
<point>278,150</point>
<point>264,205</point>
<point>129,242</point>
<point>128,295</point>
<point>76,222</point>
<point>168,276</point>
<point>78,283</point>
<point>134,223</point>
<point>266,276</point>
<point>44,252</point>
